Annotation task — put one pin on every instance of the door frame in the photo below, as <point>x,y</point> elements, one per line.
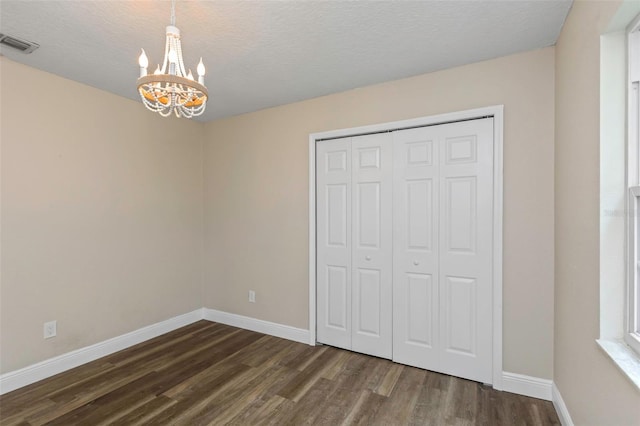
<point>497,113</point>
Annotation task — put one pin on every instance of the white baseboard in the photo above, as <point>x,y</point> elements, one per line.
<point>561,408</point>
<point>527,385</point>
<point>253,324</point>
<point>511,382</point>
<point>50,367</point>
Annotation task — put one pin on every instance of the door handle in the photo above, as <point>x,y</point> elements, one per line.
<point>367,257</point>
<point>415,262</point>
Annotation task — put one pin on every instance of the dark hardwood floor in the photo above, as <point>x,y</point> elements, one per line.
<point>208,373</point>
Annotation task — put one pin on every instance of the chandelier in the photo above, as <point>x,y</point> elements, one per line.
<point>170,89</point>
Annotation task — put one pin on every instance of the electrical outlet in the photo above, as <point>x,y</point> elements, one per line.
<point>252,296</point>
<point>50,329</point>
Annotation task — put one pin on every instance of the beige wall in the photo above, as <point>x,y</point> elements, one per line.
<point>102,209</point>
<point>101,215</point>
<point>256,193</point>
<point>593,389</point>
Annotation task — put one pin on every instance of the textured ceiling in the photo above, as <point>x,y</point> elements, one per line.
<point>265,53</point>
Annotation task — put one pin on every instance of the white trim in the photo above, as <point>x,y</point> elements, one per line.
<point>527,385</point>
<point>260,326</point>
<point>625,358</point>
<point>511,382</point>
<point>632,298</point>
<point>561,408</point>
<point>632,310</point>
<point>497,112</point>
<point>469,114</point>
<point>25,376</point>
<point>498,172</point>
<point>312,240</point>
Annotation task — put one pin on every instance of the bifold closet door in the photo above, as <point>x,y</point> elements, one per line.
<point>404,246</point>
<point>333,239</point>
<point>466,247</point>
<point>443,230</point>
<point>416,332</point>
<point>354,243</point>
<point>371,258</point>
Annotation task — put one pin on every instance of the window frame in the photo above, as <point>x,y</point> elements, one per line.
<point>632,303</point>
<point>632,332</point>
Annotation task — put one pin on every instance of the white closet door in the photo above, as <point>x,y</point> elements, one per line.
<point>443,217</point>
<point>372,177</point>
<point>415,248</point>
<point>404,246</point>
<point>466,230</point>
<point>333,215</point>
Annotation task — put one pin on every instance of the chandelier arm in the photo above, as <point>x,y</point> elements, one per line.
<point>179,45</point>
<point>173,66</point>
<point>166,56</point>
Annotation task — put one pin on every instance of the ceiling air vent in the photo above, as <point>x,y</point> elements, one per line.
<point>22,45</point>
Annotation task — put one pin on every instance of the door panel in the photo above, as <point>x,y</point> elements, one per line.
<point>465,249</point>
<point>336,205</point>
<point>372,251</point>
<point>443,201</point>
<point>415,242</point>
<point>367,297</point>
<point>336,306</point>
<point>460,309</point>
<point>462,149</point>
<point>368,210</point>
<point>419,304</point>
<point>333,217</point>
<point>419,202</point>
<point>369,158</point>
<point>460,218</point>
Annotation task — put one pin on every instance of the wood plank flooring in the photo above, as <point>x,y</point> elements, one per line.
<point>209,373</point>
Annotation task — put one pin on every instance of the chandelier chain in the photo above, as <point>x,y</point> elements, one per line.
<point>173,13</point>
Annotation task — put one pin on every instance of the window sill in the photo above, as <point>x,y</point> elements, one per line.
<point>624,357</point>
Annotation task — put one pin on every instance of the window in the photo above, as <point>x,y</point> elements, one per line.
<point>632,332</point>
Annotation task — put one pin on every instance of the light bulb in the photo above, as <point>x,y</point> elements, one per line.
<point>173,56</point>
<point>157,71</point>
<point>142,60</point>
<point>200,68</point>
<point>190,75</point>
